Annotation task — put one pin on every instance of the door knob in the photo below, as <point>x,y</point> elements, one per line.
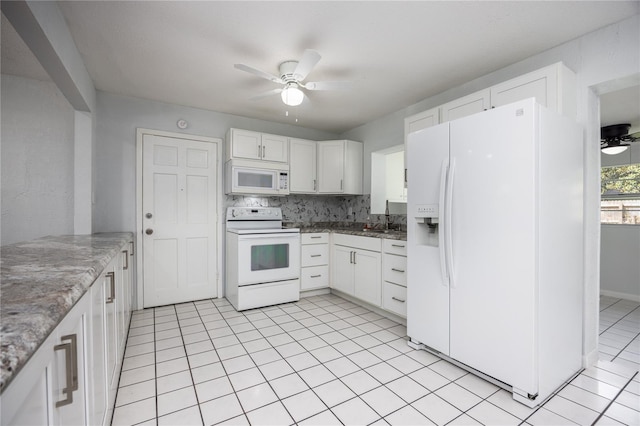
<point>148,231</point>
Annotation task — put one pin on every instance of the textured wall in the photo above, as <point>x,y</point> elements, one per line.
<point>37,160</point>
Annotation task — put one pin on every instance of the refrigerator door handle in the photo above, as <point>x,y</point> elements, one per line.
<point>448,225</point>
<point>441,215</point>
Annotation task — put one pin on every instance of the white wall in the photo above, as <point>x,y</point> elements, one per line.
<point>37,160</point>
<point>117,118</point>
<point>605,60</point>
<point>619,265</point>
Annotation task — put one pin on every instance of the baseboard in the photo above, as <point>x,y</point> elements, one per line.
<point>371,307</point>
<point>618,295</point>
<point>590,359</point>
<point>317,292</point>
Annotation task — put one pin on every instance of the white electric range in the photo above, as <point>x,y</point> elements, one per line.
<point>262,258</point>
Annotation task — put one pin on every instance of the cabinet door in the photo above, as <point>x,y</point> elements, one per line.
<point>352,172</point>
<point>540,84</point>
<point>69,367</point>
<point>275,148</point>
<point>367,277</point>
<point>121,301</point>
<point>111,330</point>
<point>245,144</point>
<point>331,167</point>
<point>302,170</point>
<point>467,105</point>
<point>342,269</point>
<point>27,400</point>
<point>421,121</point>
<point>97,363</point>
<point>418,122</point>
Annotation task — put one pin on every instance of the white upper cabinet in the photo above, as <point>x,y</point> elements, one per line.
<point>303,177</point>
<point>257,146</point>
<point>553,86</point>
<point>467,105</point>
<point>421,121</point>
<point>340,167</point>
<point>244,144</point>
<point>275,148</point>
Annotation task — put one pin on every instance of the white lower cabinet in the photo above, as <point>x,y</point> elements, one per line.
<point>72,378</point>
<point>356,267</point>
<point>394,287</point>
<point>314,261</point>
<point>372,270</point>
<point>51,387</point>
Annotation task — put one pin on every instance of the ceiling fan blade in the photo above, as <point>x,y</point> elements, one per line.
<point>266,94</point>
<point>328,85</point>
<point>635,136</point>
<point>309,60</point>
<point>257,72</point>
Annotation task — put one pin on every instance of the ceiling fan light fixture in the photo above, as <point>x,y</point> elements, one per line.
<point>292,95</point>
<point>615,149</point>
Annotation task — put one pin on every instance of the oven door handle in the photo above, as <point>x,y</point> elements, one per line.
<point>246,237</point>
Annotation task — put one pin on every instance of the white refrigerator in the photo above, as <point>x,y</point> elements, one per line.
<point>495,246</point>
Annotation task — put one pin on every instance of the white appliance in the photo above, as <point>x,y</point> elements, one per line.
<point>495,246</point>
<point>256,177</point>
<point>262,258</point>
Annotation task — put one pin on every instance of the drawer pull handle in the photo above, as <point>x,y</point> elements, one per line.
<point>397,270</point>
<point>316,276</point>
<point>71,367</point>
<point>112,287</point>
<point>397,245</point>
<point>316,255</point>
<point>131,243</point>
<point>316,237</point>
<point>397,300</point>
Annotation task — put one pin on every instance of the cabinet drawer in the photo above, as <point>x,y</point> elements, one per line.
<point>395,247</point>
<point>364,243</point>
<point>315,238</point>
<point>395,269</point>
<point>314,255</point>
<point>394,298</point>
<point>314,277</point>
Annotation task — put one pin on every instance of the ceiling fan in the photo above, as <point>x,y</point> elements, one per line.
<point>292,75</point>
<point>613,138</point>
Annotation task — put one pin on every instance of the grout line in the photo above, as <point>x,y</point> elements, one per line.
<point>614,399</point>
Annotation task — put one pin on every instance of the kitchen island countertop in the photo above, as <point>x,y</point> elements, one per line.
<point>40,281</point>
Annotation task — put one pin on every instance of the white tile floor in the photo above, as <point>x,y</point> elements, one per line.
<point>324,360</point>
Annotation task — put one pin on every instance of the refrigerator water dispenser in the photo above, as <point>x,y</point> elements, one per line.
<point>428,229</point>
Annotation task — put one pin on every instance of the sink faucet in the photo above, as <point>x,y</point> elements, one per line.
<point>386,216</point>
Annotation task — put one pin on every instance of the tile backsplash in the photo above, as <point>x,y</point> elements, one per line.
<point>317,208</point>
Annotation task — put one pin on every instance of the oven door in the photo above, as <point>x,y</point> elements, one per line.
<point>266,258</point>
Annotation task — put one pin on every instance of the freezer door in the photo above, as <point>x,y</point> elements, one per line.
<point>493,210</point>
<point>427,283</point>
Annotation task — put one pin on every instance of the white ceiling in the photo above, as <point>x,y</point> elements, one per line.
<point>395,53</point>
<point>621,106</point>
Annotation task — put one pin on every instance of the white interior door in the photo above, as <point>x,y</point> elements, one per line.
<point>179,208</point>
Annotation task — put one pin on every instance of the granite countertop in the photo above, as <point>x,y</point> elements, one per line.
<point>350,228</point>
<point>40,281</point>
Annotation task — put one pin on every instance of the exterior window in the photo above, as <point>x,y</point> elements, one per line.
<point>620,203</point>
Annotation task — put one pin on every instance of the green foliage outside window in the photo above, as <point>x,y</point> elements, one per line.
<point>620,195</point>
<point>620,180</point>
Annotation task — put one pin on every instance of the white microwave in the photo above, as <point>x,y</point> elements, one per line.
<point>256,177</point>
